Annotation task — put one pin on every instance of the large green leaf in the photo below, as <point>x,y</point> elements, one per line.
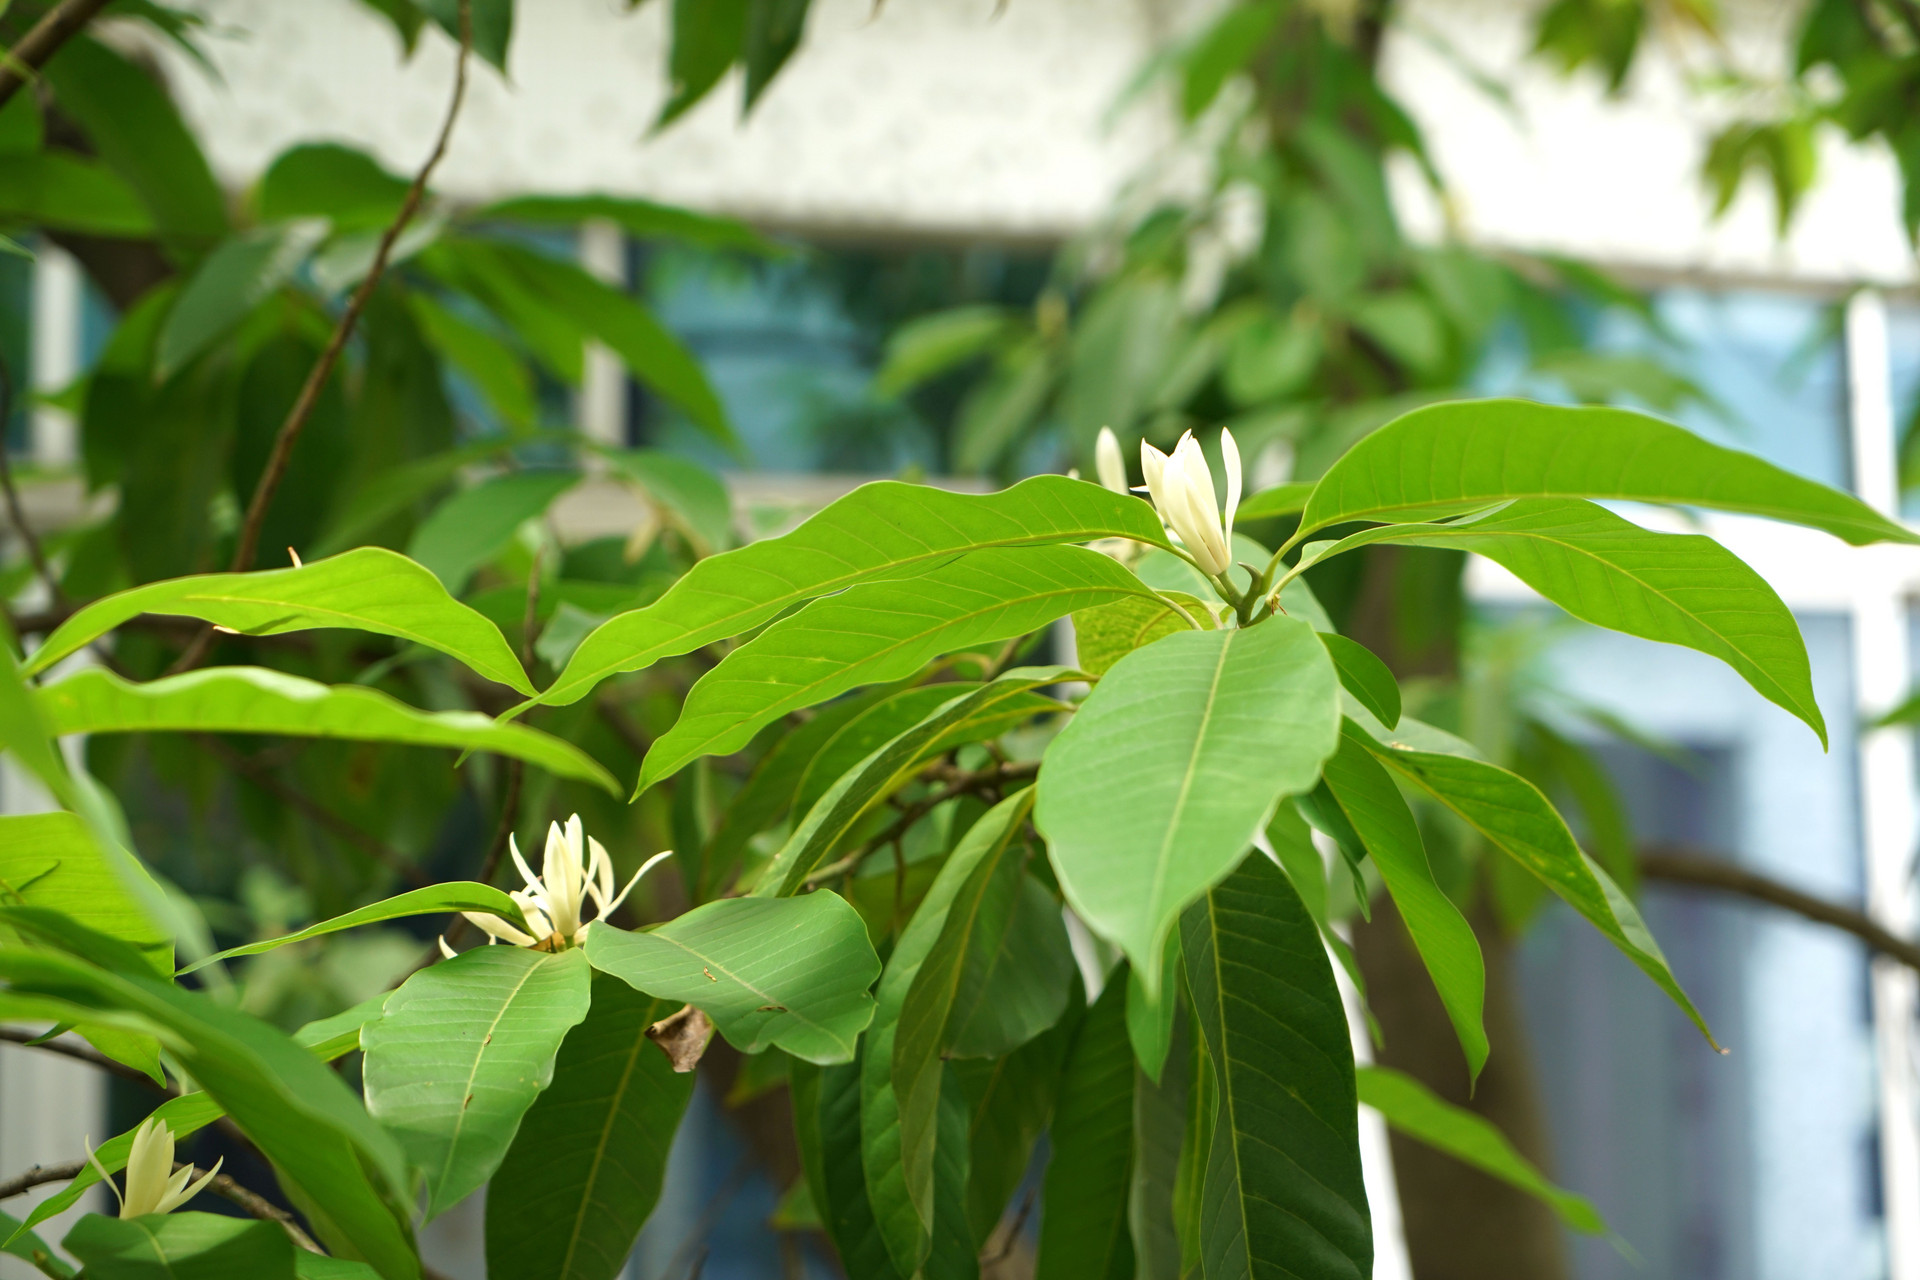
<point>1150,1019</point>
<point>459,1053</point>
<point>51,860</point>
<point>1283,1193</point>
<point>181,1246</point>
<point>1515,818</point>
<point>889,766</point>
<point>331,181</point>
<point>1363,675</point>
<point>1157,787</point>
<point>587,1166</point>
<point>434,899</point>
<point>475,525</point>
<point>640,218</point>
<point>902,1071</point>
<point>1386,829</point>
<point>792,972</point>
<point>369,589</point>
<point>344,1173</point>
<point>1160,1113</point>
<point>826,1121</point>
<point>882,530</point>
<point>1683,589</point>
<point>880,631</point>
<point>888,712</point>
<point>1107,633</point>
<point>239,275</point>
<point>64,192</point>
<point>1448,458</point>
<point>256,700</point>
<point>1019,968</point>
<point>20,1242</point>
<point>1414,1110</point>
<point>1084,1233</point>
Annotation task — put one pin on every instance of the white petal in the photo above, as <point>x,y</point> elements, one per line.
<point>526,872</point>
<point>494,927</point>
<point>94,1160</point>
<point>1108,462</point>
<point>1230,452</point>
<point>602,866</point>
<point>177,1198</point>
<point>645,867</point>
<point>1153,465</point>
<point>446,950</point>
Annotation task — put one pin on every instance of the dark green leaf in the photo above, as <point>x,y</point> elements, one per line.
<point>928,346</point>
<point>181,1246</point>
<point>1158,786</point>
<point>256,700</point>
<point>1363,675</point>
<point>1283,1193</point>
<point>326,180</point>
<point>1415,1111</point>
<point>588,1164</point>
<point>1450,458</point>
<point>1012,1099</point>
<point>642,219</point>
<point>495,368</point>
<point>881,530</point>
<point>1160,1111</point>
<point>475,525</point>
<point>792,972</point>
<point>707,39</point>
<point>64,192</point>
<point>1084,1233</point>
<point>1385,826</point>
<point>459,1053</point>
<point>774,28</point>
<point>880,631</point>
<point>230,282</point>
<point>371,589</point>
<point>826,1109</point>
<point>492,25</point>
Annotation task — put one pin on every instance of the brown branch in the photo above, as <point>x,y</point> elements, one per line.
<point>309,397</point>
<point>28,538</point>
<point>255,1205</point>
<point>1699,871</point>
<point>39,45</point>
<point>40,1175</point>
<point>238,762</point>
<point>81,1053</point>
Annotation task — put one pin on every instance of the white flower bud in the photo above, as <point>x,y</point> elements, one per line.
<point>1112,467</point>
<point>1182,491</point>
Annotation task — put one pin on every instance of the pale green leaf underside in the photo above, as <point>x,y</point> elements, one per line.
<point>1156,788</point>
<point>455,895</point>
<point>51,860</point>
<point>792,972</point>
<point>459,1053</point>
<point>369,589</point>
<point>1451,457</point>
<point>880,631</point>
<point>1415,1111</point>
<point>880,530</point>
<point>256,700</point>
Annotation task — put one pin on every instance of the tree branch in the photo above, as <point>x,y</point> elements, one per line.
<point>255,1205</point>
<point>1699,871</point>
<point>39,45</point>
<point>28,538</point>
<point>81,1053</point>
<point>40,1175</point>
<point>962,784</point>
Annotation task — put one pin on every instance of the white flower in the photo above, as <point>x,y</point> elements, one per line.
<point>576,869</point>
<point>153,1186</point>
<point>1108,462</point>
<point>1182,490</point>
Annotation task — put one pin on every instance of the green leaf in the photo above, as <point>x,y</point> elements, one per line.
<point>475,525</point>
<point>51,860</point>
<point>31,1249</point>
<point>826,1108</point>
<point>642,219</point>
<point>308,1265</point>
<point>1158,786</point>
<point>914,1023</point>
<point>459,1053</point>
<point>255,700</point>
<point>1149,1019</point>
<point>1385,826</point>
<point>436,899</point>
<point>181,1246</point>
<point>882,715</point>
<point>789,972</point>
<point>345,186</point>
<point>492,25</point>
<point>1012,1099</point>
<point>230,282</point>
<point>706,40</point>
<point>999,410</point>
<point>1107,633</point>
<point>928,346</point>
<point>1281,500</point>
<point>1160,1112</point>
<point>1084,1233</point>
<point>587,1166</point>
<point>693,498</point>
<point>774,28</point>
<point>1019,967</point>
<point>370,589</point>
<point>1515,818</point>
<point>344,1173</point>
<point>1448,458</point>
<point>65,192</point>
<point>1363,675</point>
<point>494,367</point>
<point>134,127</point>
<point>1415,1111</point>
<point>882,530</point>
<point>1283,1193</point>
<point>1683,589</point>
<point>880,631</point>
<point>888,767</point>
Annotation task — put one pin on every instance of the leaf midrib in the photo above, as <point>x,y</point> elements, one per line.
<point>764,996</point>
<point>600,1151</point>
<point>1186,784</point>
<point>486,1043</point>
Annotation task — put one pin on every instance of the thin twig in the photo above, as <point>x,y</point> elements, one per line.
<point>255,1204</point>
<point>40,43</point>
<point>964,784</point>
<point>1699,871</point>
<point>15,512</point>
<point>81,1053</point>
<point>293,798</point>
<point>40,1175</point>
<point>309,397</point>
